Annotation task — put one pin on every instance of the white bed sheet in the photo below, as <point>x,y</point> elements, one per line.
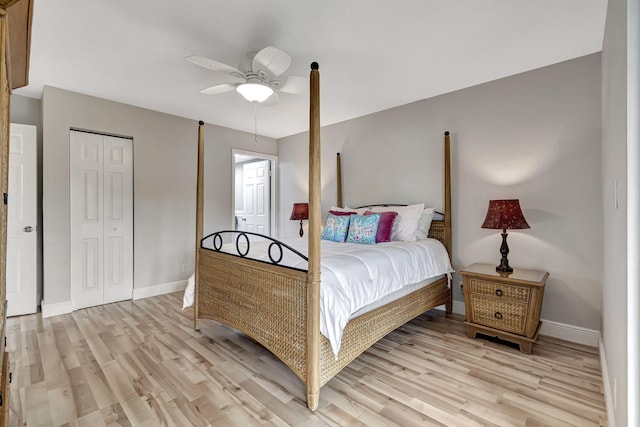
<point>355,275</point>
<point>402,292</point>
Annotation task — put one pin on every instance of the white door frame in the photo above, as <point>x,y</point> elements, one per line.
<point>273,190</point>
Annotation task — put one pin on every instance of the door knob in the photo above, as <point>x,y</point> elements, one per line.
<point>28,229</point>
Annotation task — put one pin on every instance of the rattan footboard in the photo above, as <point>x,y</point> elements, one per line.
<point>268,303</point>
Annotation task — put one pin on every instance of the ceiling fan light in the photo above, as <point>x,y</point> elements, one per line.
<point>254,91</point>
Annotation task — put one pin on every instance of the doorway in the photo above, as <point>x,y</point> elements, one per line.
<point>254,194</point>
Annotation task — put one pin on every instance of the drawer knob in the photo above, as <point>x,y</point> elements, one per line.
<point>499,292</point>
<point>498,315</point>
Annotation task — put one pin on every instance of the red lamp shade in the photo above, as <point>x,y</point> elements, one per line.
<point>300,211</point>
<point>505,215</point>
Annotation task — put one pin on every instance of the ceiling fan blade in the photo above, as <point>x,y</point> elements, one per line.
<point>272,60</point>
<point>213,65</point>
<point>295,84</point>
<point>216,89</point>
<point>272,100</point>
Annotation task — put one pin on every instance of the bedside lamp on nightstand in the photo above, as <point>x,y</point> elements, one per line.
<point>505,215</point>
<point>300,212</point>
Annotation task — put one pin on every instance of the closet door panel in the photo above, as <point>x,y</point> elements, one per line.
<point>87,223</point>
<point>118,219</point>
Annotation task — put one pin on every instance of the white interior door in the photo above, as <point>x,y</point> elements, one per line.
<point>101,219</point>
<point>21,222</point>
<point>257,197</point>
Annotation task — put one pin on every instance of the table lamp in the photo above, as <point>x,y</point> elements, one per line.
<point>300,211</point>
<point>505,215</point>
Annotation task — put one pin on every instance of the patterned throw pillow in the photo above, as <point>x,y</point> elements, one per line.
<point>385,226</point>
<point>336,228</point>
<point>363,229</point>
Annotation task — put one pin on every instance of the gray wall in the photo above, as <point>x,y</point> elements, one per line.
<point>164,153</point>
<point>533,136</point>
<point>28,111</point>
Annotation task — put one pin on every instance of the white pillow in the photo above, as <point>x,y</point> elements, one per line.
<point>407,220</point>
<point>348,209</point>
<point>424,224</point>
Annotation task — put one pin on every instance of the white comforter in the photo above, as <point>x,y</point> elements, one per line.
<point>355,275</point>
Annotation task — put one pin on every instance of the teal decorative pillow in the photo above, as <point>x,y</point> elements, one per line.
<point>336,228</point>
<point>363,228</point>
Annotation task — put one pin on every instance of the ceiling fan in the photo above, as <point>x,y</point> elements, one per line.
<point>260,83</point>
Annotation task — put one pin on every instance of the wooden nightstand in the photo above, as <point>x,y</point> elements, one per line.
<point>504,306</point>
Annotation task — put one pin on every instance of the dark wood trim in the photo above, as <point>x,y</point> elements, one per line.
<point>19,23</point>
<point>5,97</point>
<point>4,4</point>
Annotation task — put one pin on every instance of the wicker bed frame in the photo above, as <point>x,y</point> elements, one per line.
<point>280,307</point>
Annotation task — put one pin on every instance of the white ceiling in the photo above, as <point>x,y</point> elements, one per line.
<point>373,54</point>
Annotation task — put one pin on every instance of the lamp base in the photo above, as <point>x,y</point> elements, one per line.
<point>504,269</point>
<point>504,251</point>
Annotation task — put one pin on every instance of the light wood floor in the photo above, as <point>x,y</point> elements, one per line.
<point>140,363</point>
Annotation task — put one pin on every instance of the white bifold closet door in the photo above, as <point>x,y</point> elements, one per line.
<point>101,179</point>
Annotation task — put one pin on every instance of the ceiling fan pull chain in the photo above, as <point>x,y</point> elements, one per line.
<point>255,122</point>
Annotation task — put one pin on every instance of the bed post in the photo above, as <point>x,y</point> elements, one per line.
<point>339,181</point>
<point>199,219</point>
<point>447,192</point>
<point>447,209</point>
<point>313,278</point>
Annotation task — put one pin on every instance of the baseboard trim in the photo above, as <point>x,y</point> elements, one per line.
<point>65,307</point>
<point>56,309</point>
<point>575,334</point>
<point>608,397</point>
<point>161,289</point>
<point>458,307</point>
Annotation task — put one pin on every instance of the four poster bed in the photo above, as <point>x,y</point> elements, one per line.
<point>278,305</point>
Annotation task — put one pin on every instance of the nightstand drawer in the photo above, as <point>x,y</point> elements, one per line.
<point>498,313</point>
<point>500,290</point>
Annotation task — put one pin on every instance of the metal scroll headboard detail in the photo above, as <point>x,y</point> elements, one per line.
<point>243,249</point>
<point>391,204</point>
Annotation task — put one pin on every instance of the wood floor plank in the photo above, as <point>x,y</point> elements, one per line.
<point>62,408</point>
<point>140,363</point>
<point>37,406</point>
<point>93,419</point>
<point>83,399</point>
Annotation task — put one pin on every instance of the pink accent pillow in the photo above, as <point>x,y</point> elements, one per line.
<point>340,213</point>
<point>384,226</point>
